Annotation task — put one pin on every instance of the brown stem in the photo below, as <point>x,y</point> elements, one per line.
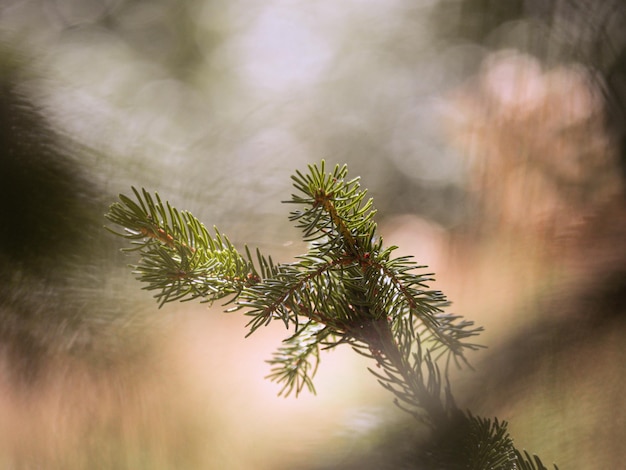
<point>326,201</point>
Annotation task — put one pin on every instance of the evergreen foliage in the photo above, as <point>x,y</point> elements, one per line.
<point>348,288</point>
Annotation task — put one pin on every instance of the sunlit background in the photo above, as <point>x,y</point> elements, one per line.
<point>481,130</point>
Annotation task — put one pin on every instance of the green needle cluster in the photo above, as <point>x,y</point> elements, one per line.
<point>347,289</point>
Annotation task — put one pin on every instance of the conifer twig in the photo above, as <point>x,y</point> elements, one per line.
<point>346,289</point>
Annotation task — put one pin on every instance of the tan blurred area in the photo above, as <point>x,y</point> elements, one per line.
<point>544,172</point>
<point>542,264</point>
<point>540,157</point>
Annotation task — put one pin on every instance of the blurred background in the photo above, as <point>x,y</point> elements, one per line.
<point>489,133</point>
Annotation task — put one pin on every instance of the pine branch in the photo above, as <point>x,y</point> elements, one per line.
<point>528,462</point>
<point>346,289</point>
<point>295,363</point>
<point>472,443</point>
<point>334,213</point>
<point>179,258</point>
